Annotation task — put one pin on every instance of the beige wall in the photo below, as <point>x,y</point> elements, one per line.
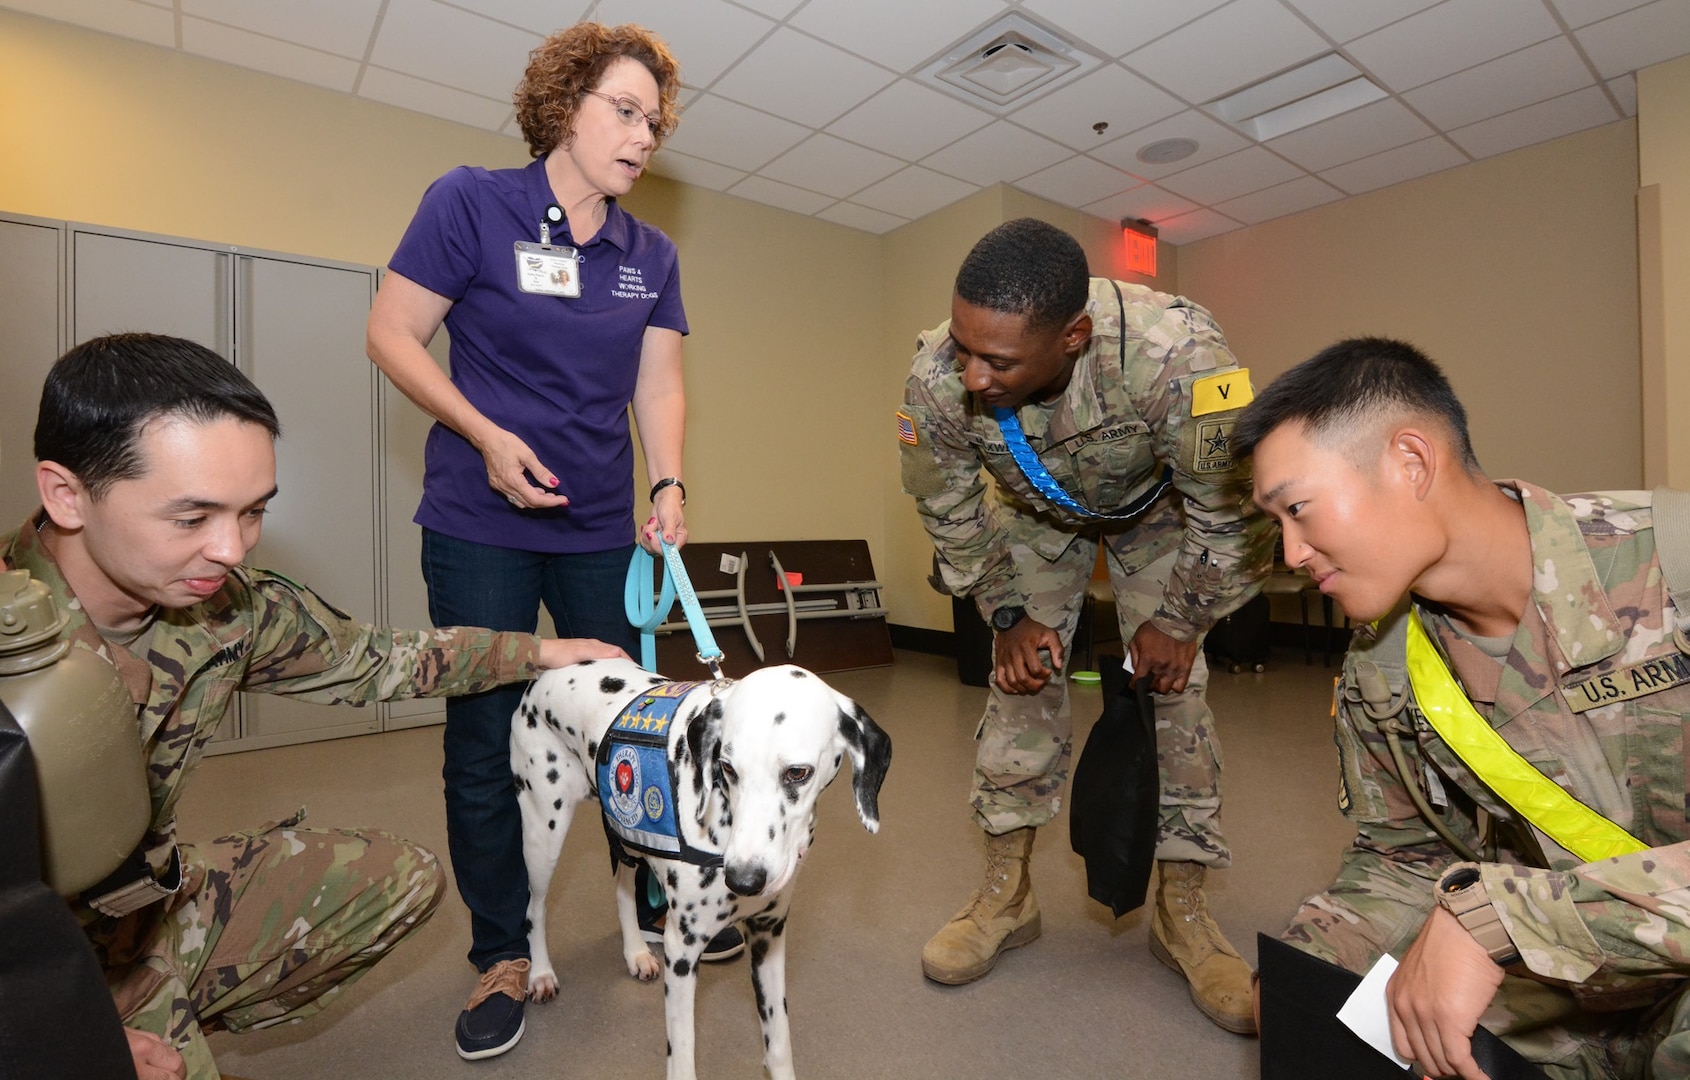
<point>1517,273</point>
<point>1663,150</point>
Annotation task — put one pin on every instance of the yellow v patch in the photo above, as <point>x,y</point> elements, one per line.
<point>1221,393</point>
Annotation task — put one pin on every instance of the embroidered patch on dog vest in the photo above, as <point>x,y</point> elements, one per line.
<point>633,776</point>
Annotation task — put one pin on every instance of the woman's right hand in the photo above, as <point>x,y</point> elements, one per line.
<point>509,465</point>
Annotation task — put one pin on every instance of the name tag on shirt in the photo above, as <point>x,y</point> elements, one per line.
<point>547,270</point>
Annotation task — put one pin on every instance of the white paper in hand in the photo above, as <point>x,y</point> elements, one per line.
<point>1365,1012</point>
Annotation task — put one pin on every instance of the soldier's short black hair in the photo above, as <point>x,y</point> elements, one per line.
<point>1027,267</point>
<point>100,395</point>
<point>1351,381</point>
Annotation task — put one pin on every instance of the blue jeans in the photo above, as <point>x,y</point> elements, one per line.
<point>473,584</point>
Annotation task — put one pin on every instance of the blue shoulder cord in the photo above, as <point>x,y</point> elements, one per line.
<point>647,615</point>
<point>1035,470</point>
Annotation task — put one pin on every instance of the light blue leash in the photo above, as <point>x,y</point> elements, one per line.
<point>648,614</point>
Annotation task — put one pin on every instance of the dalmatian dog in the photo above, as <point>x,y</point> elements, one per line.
<point>733,770</point>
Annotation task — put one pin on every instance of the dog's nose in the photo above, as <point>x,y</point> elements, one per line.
<point>746,880</point>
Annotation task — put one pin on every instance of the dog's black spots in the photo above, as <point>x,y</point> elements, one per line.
<point>689,906</point>
<point>707,876</point>
<point>715,841</point>
<point>527,925</point>
<point>765,1042</point>
<point>528,715</point>
<point>837,758</point>
<point>655,679</point>
<point>771,832</point>
<point>519,783</point>
<point>551,756</point>
<point>689,939</point>
<point>610,684</point>
<point>668,1047</point>
<point>569,730</point>
<point>757,977</point>
<point>780,928</point>
<point>673,880</point>
<point>682,968</point>
<point>791,793</point>
<point>551,720</point>
<point>551,775</point>
<point>849,730</point>
<point>799,673</point>
<point>715,710</point>
<point>551,823</point>
<point>592,748</point>
<point>780,718</point>
<point>759,949</point>
<point>557,804</point>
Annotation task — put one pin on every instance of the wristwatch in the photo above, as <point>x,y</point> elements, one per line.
<point>1007,616</point>
<point>1462,893</point>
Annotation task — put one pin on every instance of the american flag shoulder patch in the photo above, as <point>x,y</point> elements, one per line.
<point>906,429</point>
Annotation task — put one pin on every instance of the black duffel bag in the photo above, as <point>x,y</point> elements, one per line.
<point>1113,818</point>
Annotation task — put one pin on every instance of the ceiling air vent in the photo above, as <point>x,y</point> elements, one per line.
<point>1007,63</point>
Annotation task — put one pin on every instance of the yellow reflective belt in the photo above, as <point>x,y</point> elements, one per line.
<point>1533,795</point>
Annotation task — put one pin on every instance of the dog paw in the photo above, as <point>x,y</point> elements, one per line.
<point>643,965</point>
<point>542,987</point>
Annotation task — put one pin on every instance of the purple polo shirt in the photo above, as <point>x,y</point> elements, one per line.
<point>557,372</point>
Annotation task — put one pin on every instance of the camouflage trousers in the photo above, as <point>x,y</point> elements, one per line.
<point>267,925</point>
<point>1026,740</point>
<point>1378,906</point>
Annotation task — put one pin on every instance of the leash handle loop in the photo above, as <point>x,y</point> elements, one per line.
<point>676,584</point>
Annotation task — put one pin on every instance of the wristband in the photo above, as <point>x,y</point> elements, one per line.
<point>668,481</point>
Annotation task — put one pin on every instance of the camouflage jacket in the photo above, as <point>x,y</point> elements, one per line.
<point>1594,693</point>
<point>1128,412</point>
<point>262,632</point>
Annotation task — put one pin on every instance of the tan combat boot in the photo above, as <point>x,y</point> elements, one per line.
<point>1184,937</point>
<point>1002,914</point>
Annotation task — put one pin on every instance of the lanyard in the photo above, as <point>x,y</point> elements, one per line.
<point>1040,477</point>
<point>1534,796</point>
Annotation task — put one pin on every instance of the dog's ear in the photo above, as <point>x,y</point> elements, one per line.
<point>871,755</point>
<point>704,745</point>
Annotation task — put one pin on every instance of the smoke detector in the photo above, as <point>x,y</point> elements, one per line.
<point>1006,63</point>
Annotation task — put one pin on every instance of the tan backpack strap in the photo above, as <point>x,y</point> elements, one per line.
<point>1672,545</point>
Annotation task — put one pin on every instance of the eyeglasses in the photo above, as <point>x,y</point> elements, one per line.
<point>629,112</point>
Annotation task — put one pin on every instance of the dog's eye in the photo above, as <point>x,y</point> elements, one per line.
<point>728,773</point>
<point>797,774</point>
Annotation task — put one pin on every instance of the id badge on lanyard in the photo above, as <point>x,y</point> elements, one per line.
<point>545,269</point>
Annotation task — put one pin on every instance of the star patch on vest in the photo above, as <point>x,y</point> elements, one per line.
<point>1221,393</point>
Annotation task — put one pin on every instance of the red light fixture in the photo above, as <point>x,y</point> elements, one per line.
<point>1140,240</point>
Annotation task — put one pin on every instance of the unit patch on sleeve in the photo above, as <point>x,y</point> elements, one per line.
<point>906,429</point>
<point>1213,450</point>
<point>1221,393</point>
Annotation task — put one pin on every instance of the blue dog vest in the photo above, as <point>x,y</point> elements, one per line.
<point>634,784</point>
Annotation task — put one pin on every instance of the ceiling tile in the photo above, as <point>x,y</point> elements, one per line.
<point>1355,134</point>
<point>695,171</point>
<point>543,17</point>
<point>260,53</point>
<point>442,44</point>
<point>914,192</point>
<point>341,27</point>
<point>706,36</point>
<point>1451,37</point>
<point>1536,123</point>
<point>784,196</point>
<point>1099,23</point>
<point>1197,225</point>
<point>861,217</point>
<point>1000,151</point>
<point>1345,20</point>
<point>1239,44</point>
<point>1542,71</point>
<point>1279,200</point>
<point>774,9</point>
<point>1231,176</point>
<point>1624,90</point>
<point>143,22</point>
<point>1147,203</point>
<point>1639,38</point>
<point>1213,138</point>
<point>824,163</point>
<point>1077,181</point>
<point>728,133</point>
<point>896,33</point>
<point>393,88</point>
<point>802,79</point>
<point>1110,95</point>
<point>1394,166</point>
<point>909,121</point>
<point>1584,12</point>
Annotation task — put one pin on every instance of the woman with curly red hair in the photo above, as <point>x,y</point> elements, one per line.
<point>563,310</point>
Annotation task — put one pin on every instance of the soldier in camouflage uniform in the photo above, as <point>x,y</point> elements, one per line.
<point>1112,384</point>
<point>1553,614</point>
<point>156,463</point>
